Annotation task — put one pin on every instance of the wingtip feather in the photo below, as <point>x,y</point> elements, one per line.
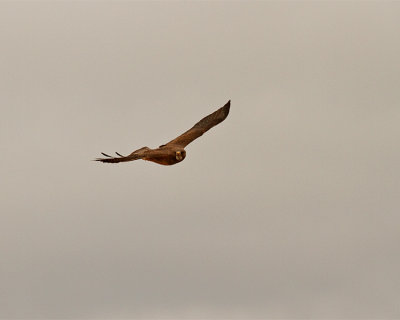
<point>226,108</point>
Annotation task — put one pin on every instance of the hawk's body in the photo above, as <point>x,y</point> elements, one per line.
<point>164,155</point>
<point>173,152</point>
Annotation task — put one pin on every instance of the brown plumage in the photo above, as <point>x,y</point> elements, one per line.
<point>173,151</point>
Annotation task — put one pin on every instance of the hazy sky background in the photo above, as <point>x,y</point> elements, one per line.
<point>290,208</point>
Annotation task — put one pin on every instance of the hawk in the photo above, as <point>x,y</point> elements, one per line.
<point>174,151</point>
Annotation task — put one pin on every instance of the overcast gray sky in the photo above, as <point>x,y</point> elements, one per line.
<point>288,209</point>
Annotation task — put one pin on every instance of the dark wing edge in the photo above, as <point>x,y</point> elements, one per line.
<point>118,159</point>
<point>135,155</point>
<point>202,126</point>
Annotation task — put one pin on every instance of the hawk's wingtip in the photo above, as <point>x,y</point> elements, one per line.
<point>226,107</point>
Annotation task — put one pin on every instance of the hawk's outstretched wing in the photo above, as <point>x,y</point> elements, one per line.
<point>135,155</point>
<point>201,127</point>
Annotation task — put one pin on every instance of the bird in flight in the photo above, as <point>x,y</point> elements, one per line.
<point>173,152</point>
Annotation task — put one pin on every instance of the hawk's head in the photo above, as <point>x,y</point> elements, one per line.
<point>180,155</point>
